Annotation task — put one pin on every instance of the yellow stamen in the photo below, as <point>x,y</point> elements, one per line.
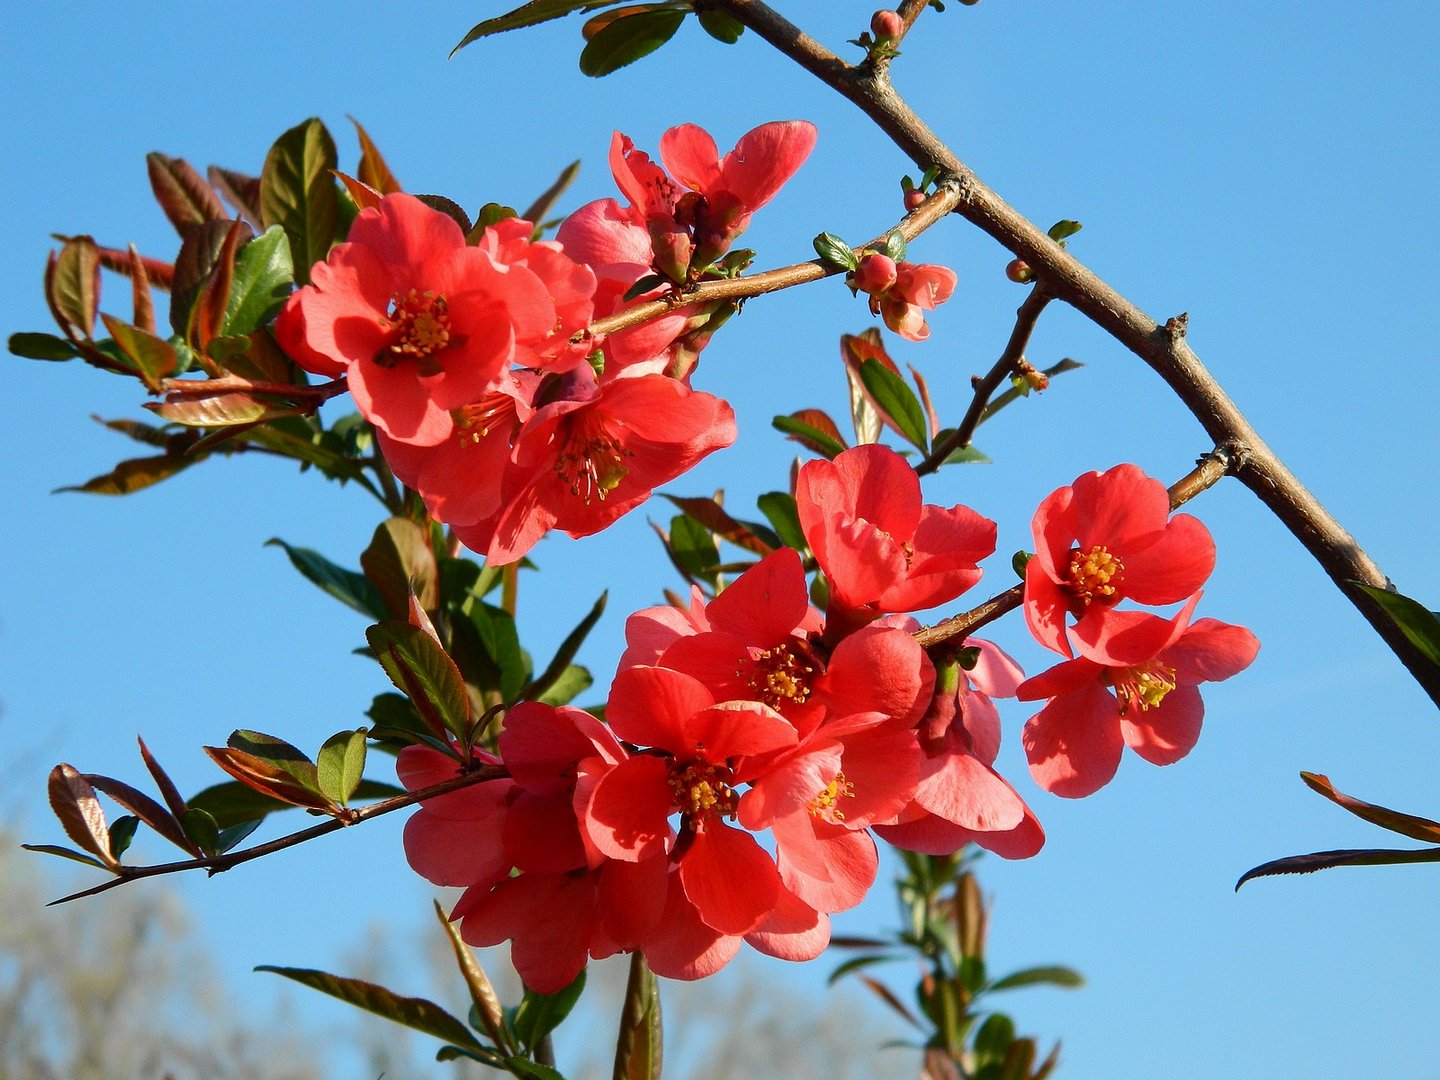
<point>1144,687</point>
<point>703,790</point>
<point>420,328</point>
<point>593,467</point>
<point>779,676</point>
<point>823,805</point>
<point>1095,574</point>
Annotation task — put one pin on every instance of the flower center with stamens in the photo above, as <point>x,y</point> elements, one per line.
<point>490,413</point>
<point>419,330</point>
<point>592,467</point>
<point>1095,574</point>
<point>779,676</point>
<point>824,804</point>
<point>1142,687</point>
<point>703,790</point>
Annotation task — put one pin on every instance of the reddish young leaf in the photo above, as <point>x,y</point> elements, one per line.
<point>374,173</point>
<point>199,253</point>
<point>885,994</point>
<point>209,317</point>
<point>712,515</point>
<point>168,791</point>
<point>72,285</point>
<point>153,358</point>
<point>74,802</point>
<point>1417,828</point>
<point>144,808</point>
<point>364,195</point>
<point>932,421</point>
<point>221,410</point>
<point>182,192</point>
<point>160,274</point>
<point>266,778</point>
<point>136,473</point>
<point>241,191</point>
<point>144,303</point>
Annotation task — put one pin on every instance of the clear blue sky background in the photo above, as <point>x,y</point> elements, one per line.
<point>1268,168</point>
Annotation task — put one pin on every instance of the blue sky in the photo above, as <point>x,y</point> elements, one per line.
<point>1267,168</point>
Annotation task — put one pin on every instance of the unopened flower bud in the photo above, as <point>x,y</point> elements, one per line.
<point>875,274</point>
<point>1018,271</point>
<point>887,24</point>
<point>913,198</point>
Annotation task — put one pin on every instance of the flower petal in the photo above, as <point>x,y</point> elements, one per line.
<point>1073,744</point>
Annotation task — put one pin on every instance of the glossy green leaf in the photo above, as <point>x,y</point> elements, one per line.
<point>563,661</point>
<point>501,642</point>
<point>1419,625</point>
<point>340,765</point>
<point>626,40</point>
<point>723,28</point>
<point>961,455</point>
<point>752,537</point>
<point>201,829</point>
<point>993,1040</point>
<point>420,668</point>
<point>66,853</point>
<point>835,251</point>
<point>1063,230</point>
<point>779,509</point>
<point>1046,975</point>
<point>573,682</point>
<point>264,275</point>
<point>400,561</point>
<point>537,11</point>
<point>894,396</point>
<point>693,548</point>
<point>416,1013</point>
<point>42,347</point>
<point>525,1067</point>
<point>540,1014</point>
<point>350,588</point>
<point>895,245</point>
<point>540,209</point>
<point>808,435</point>
<point>232,803</point>
<point>229,838</point>
<point>298,193</point>
<point>122,831</point>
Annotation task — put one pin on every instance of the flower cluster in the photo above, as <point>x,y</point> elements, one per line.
<point>1107,538</point>
<point>901,293</point>
<point>472,358</point>
<point>750,747</point>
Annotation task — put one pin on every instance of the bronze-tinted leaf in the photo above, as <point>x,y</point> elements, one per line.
<point>536,11</point>
<point>153,358</point>
<point>199,252</point>
<point>400,559</point>
<point>297,192</point>
<point>143,807</point>
<point>266,778</point>
<point>143,302</point>
<point>1417,828</point>
<point>74,802</point>
<point>221,410</point>
<point>182,192</point>
<point>74,286</point>
<point>208,320</point>
<point>373,171</point>
<point>712,515</point>
<point>168,791</point>
<point>362,193</point>
<point>812,429</point>
<point>136,473</point>
<point>482,992</point>
<point>1325,860</point>
<point>243,193</point>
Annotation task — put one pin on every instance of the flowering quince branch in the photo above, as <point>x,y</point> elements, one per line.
<point>935,208</point>
<point>1163,347</point>
<point>1008,364</point>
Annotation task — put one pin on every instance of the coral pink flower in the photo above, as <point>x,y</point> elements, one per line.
<point>1104,539</point>
<point>959,798</point>
<point>419,322</point>
<point>881,549</point>
<point>916,289</point>
<point>596,452</point>
<point>1135,683</point>
<point>441,837</point>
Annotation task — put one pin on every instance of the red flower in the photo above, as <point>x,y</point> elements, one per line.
<point>419,322</point>
<point>596,452</point>
<point>1104,539</point>
<point>881,549</point>
<point>916,289</point>
<point>1135,683</point>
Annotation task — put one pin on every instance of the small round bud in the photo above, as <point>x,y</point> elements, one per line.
<point>887,25</point>
<point>1018,271</point>
<point>913,198</point>
<point>875,274</point>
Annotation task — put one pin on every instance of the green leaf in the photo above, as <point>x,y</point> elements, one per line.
<point>264,275</point>
<point>400,562</point>
<point>347,586</point>
<point>573,682</point>
<point>286,757</point>
<point>540,1014</point>
<point>501,643</point>
<point>693,547</point>
<point>1420,626</point>
<point>537,211</point>
<point>723,28</point>
<point>232,803</point>
<point>895,245</point>
<point>779,509</point>
<point>75,284</point>
<point>297,192</point>
<point>855,964</point>
<point>627,39</point>
<point>961,455</point>
<point>66,853</point>
<point>537,11</point>
<point>563,661</point>
<point>122,831</point>
<point>809,436</point>
<point>1046,975</point>
<point>993,1038</point>
<point>894,396</point>
<point>417,1013</point>
<point>419,667</point>
<point>201,829</point>
<point>751,536</point>
<point>229,838</point>
<point>340,764</point>
<point>1063,230</point>
<point>152,357</point>
<point>639,1050</point>
<point>1325,860</point>
<point>835,251</point>
<point>525,1067</point>
<point>42,347</point>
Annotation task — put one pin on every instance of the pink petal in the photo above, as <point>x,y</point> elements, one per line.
<point>628,810</point>
<point>764,605</point>
<point>1046,606</point>
<point>649,706</point>
<point>969,793</point>
<point>631,897</point>
<point>1164,734</point>
<point>737,728</point>
<point>1173,567</point>
<point>794,931</point>
<point>682,946</point>
<point>1126,638</point>
<point>847,863</point>
<point>789,786</point>
<point>1122,508</point>
<point>877,669</point>
<point>541,834</point>
<point>1053,529</point>
<point>1211,651</point>
<point>692,157</point>
<point>1074,743</point>
<point>449,851</point>
<point>765,158</point>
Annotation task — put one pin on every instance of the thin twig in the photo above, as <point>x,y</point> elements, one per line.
<point>216,864</point>
<point>1163,348</point>
<point>1205,475</point>
<point>941,203</point>
<point>1008,364</point>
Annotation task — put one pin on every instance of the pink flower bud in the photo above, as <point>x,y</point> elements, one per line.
<point>1018,271</point>
<point>887,25</point>
<point>913,198</point>
<point>875,274</point>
